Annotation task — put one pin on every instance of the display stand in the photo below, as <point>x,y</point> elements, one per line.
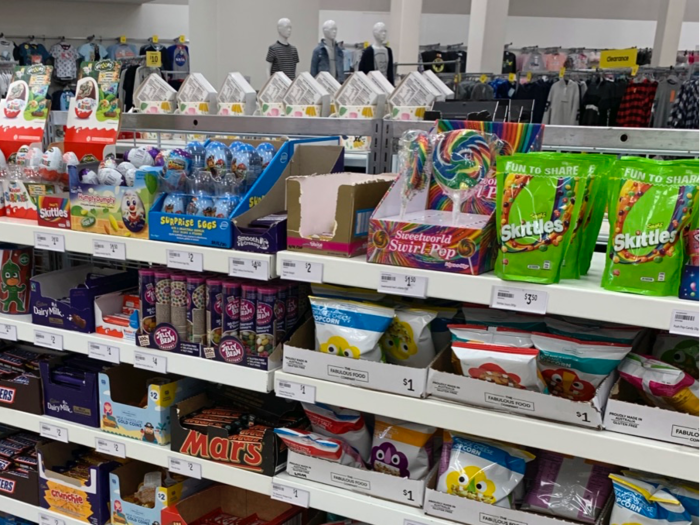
<point>271,96</point>
<point>307,98</point>
<point>236,97</point>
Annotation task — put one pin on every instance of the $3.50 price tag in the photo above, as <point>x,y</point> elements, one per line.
<point>184,467</point>
<point>109,250</point>
<point>519,299</point>
<point>297,391</point>
<point>239,267</point>
<point>401,284</point>
<point>113,448</point>
<point>288,494</point>
<point>309,272</point>
<point>185,260</point>
<point>154,363</point>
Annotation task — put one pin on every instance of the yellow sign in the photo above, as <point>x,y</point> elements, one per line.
<point>511,77</point>
<point>153,59</point>
<point>618,58</point>
<point>181,39</point>
<point>154,39</point>
<point>482,79</point>
<point>562,71</point>
<point>635,69</point>
<point>122,39</point>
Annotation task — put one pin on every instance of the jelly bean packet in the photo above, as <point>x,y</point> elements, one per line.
<point>318,446</point>
<point>482,470</point>
<point>483,315</point>
<point>592,330</point>
<point>573,368</point>
<point>493,335</point>
<point>677,350</point>
<point>642,503</point>
<point>661,384</point>
<point>568,487</point>
<point>650,203</point>
<point>538,201</point>
<point>501,365</point>
<point>340,423</point>
<point>350,328</point>
<point>408,341</point>
<point>402,449</point>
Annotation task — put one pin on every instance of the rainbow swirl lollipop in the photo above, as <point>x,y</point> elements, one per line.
<point>461,159</point>
<point>414,151</point>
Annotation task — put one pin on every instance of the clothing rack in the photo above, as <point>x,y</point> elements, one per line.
<point>91,38</point>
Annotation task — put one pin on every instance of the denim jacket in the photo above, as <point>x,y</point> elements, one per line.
<point>321,62</point>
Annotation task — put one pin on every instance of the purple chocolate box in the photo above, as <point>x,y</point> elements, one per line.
<point>71,403</point>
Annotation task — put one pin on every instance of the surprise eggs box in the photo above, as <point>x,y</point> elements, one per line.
<point>112,210</point>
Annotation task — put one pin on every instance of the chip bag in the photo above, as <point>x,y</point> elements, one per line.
<point>318,446</point>
<point>650,203</point>
<point>642,503</point>
<point>350,328</point>
<point>661,384</point>
<point>445,314</point>
<point>483,315</point>
<point>573,368</point>
<point>501,365</point>
<point>408,341</point>
<point>686,492</point>
<point>340,423</point>
<point>402,449</point>
<point>483,470</point>
<point>592,331</point>
<point>494,335</point>
<point>677,350</point>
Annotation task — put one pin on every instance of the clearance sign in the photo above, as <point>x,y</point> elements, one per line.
<point>618,58</point>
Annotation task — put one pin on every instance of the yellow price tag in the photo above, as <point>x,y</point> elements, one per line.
<point>366,45</point>
<point>153,59</point>
<point>561,72</point>
<point>181,39</point>
<point>482,79</point>
<point>529,76</point>
<point>122,39</point>
<point>635,70</point>
<point>154,39</point>
<point>511,77</point>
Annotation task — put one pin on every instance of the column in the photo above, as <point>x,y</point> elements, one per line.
<point>404,32</point>
<point>668,32</point>
<point>487,35</point>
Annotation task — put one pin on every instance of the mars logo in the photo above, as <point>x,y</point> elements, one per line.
<point>7,395</point>
<point>7,485</point>
<point>264,315</point>
<point>232,307</point>
<point>165,338</point>
<point>231,350</point>
<point>247,310</point>
<point>245,455</point>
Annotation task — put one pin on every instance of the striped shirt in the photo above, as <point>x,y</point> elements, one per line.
<point>283,57</point>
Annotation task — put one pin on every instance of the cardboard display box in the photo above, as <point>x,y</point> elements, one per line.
<point>329,214</point>
<point>271,95</point>
<point>26,397</point>
<point>236,96</point>
<point>20,487</point>
<point>445,382</point>
<point>301,359</point>
<point>109,304</point>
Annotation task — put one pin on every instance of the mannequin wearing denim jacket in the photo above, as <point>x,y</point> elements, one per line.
<point>328,55</point>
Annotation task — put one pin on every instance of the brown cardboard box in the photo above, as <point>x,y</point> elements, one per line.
<point>329,214</point>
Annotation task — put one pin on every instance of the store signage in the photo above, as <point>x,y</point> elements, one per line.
<point>611,58</point>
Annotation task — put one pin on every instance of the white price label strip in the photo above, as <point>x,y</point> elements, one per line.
<point>151,362</point>
<point>411,522</point>
<point>519,299</point>
<point>184,467</point>
<point>53,432</point>
<point>104,352</point>
<point>47,519</point>
<point>185,260</point>
<point>309,272</point>
<point>50,241</point>
<point>685,322</point>
<point>8,332</point>
<point>239,267</point>
<point>297,391</point>
<point>288,494</point>
<point>401,284</point>
<point>109,250</point>
<point>48,340</point>
<point>113,448</point>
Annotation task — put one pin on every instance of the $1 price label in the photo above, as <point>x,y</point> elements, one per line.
<point>239,267</point>
<point>296,391</point>
<point>291,495</point>
<point>154,363</point>
<point>401,284</point>
<point>309,272</point>
<point>519,299</point>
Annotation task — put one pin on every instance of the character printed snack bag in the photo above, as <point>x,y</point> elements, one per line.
<point>482,470</point>
<point>642,503</point>
<point>650,204</point>
<point>340,423</point>
<point>408,341</point>
<point>686,492</point>
<point>677,350</point>
<point>350,328</point>
<point>483,315</point>
<point>317,446</point>
<point>592,330</point>
<point>402,449</point>
<point>493,335</point>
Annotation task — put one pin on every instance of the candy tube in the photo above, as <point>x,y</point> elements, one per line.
<point>231,315</point>
<point>265,320</point>
<point>281,312</point>
<point>147,296</point>
<point>292,314</point>
<point>249,296</point>
<point>163,294</point>
<point>196,309</point>
<point>178,304</point>
<point>214,310</point>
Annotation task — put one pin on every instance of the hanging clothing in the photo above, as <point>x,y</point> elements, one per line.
<point>684,114</point>
<point>537,91</point>
<point>92,52</point>
<point>283,57</point>
<point>121,51</point>
<point>635,109</point>
<point>482,91</point>
<point>554,61</point>
<point>562,104</point>
<point>509,63</point>
<point>7,50</point>
<point>65,58</point>
<point>177,59</point>
<point>368,62</point>
<point>666,94</point>
<point>30,53</point>
<point>534,62</point>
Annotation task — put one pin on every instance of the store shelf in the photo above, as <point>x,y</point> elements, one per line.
<point>143,250</point>
<point>619,449</point>
<point>148,453</point>
<point>205,369</point>
<point>582,298</point>
<point>32,513</point>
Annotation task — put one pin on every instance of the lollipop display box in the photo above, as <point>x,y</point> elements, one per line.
<point>218,231</point>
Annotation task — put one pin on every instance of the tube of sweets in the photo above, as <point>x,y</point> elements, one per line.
<point>178,304</point>
<point>249,296</point>
<point>231,315</point>
<point>163,294</point>
<point>265,320</point>
<point>196,308</point>
<point>147,296</point>
<point>281,312</point>
<point>292,307</point>
<point>214,310</point>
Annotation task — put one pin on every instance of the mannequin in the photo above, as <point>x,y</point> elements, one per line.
<point>281,55</point>
<point>378,57</point>
<point>328,55</point>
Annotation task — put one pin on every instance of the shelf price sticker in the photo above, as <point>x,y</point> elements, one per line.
<point>113,448</point>
<point>154,363</point>
<point>55,432</point>
<point>251,268</point>
<point>291,495</point>
<point>685,322</point>
<point>104,352</point>
<point>109,250</point>
<point>402,284</point>
<point>50,241</point>
<point>48,340</point>
<point>519,299</point>
<point>184,467</point>
<point>8,332</point>
<point>47,519</point>
<point>296,391</point>
<point>309,272</point>
<point>181,260</point>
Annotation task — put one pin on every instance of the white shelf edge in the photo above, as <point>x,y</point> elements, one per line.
<point>31,513</point>
<point>185,365</point>
<point>143,250</point>
<point>602,445</point>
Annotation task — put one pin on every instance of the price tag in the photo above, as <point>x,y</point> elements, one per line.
<point>47,519</point>
<point>519,299</point>
<point>154,363</point>
<point>185,260</point>
<point>109,250</point>
<point>181,39</point>
<point>411,522</point>
<point>309,272</point>
<point>483,79</point>
<point>296,391</point>
<point>54,432</point>
<point>684,322</point>
<point>562,72</point>
<point>402,284</point>
<point>529,76</point>
<point>104,352</point>
<point>511,77</point>
<point>153,59</point>
<point>297,497</point>
<point>240,267</point>
<point>113,448</point>
<point>8,332</point>
<point>50,241</point>
<point>48,340</point>
<point>122,39</point>
<point>184,467</point>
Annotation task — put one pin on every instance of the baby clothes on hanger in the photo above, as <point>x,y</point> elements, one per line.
<point>177,59</point>
<point>554,61</point>
<point>30,53</point>
<point>121,51</point>
<point>65,58</point>
<point>91,52</point>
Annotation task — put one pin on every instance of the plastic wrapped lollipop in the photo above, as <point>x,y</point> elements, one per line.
<point>461,158</point>
<point>415,147</point>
